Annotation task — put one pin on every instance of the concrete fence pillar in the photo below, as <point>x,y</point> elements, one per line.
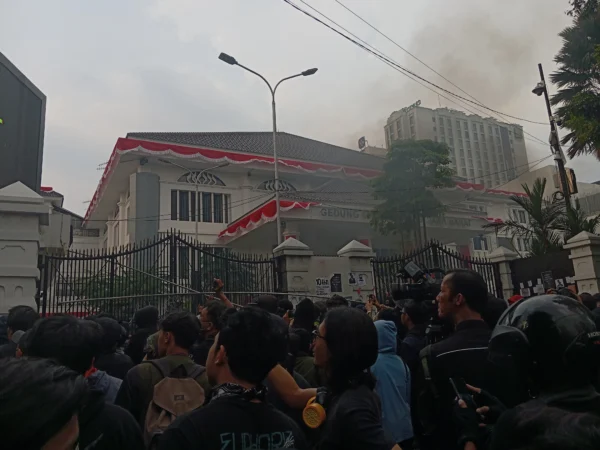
<point>22,211</point>
<point>360,274</point>
<point>585,256</point>
<point>294,266</point>
<point>503,256</point>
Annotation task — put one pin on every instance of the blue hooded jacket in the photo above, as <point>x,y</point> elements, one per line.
<point>393,384</point>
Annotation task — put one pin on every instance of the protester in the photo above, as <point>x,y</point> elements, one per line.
<point>210,324</point>
<point>146,320</point>
<point>463,355</point>
<point>284,306</point>
<point>74,343</point>
<point>304,362</point>
<point>587,300</point>
<point>393,386</point>
<point>549,345</point>
<point>20,319</point>
<point>414,317</point>
<point>114,364</point>
<point>237,416</point>
<point>305,315</point>
<point>321,310</point>
<point>3,330</point>
<point>40,404</point>
<point>177,333</point>
<point>493,310</point>
<point>268,303</point>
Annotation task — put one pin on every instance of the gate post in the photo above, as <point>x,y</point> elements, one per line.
<point>585,256</point>
<point>359,262</point>
<point>502,257</point>
<point>293,260</point>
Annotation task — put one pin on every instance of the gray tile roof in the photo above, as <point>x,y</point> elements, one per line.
<point>336,191</point>
<point>261,143</point>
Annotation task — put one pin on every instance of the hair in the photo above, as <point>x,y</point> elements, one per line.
<point>493,310</point>
<point>416,311</point>
<point>471,285</point>
<point>352,342</point>
<point>567,293</point>
<point>268,303</point>
<point>39,398</point>
<point>285,305</point>
<point>21,318</point>
<point>254,343</point>
<point>596,298</point>
<point>320,309</point>
<point>305,315</point>
<point>111,334</point>
<point>300,340</point>
<point>548,428</point>
<point>146,317</point>
<point>336,301</point>
<point>184,327</point>
<point>588,301</point>
<point>70,341</point>
<point>214,312</point>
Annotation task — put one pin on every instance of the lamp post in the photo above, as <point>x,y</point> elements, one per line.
<point>539,90</point>
<point>232,61</point>
<point>190,171</point>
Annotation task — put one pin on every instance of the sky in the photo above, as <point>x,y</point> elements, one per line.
<point>116,66</point>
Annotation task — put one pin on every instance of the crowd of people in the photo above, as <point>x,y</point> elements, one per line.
<point>518,374</point>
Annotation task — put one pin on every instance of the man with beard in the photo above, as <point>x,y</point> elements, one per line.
<point>210,324</point>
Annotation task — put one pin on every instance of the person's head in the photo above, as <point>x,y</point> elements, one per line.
<point>346,347</point>
<point>566,292</point>
<point>268,303</point>
<point>246,349</point>
<point>211,317</point>
<point>305,315</point>
<point>548,342</point>
<point>68,340</point>
<point>493,310</point>
<point>177,333</point>
<point>463,294</point>
<point>549,428</point>
<point>300,341</point>
<point>587,300</point>
<point>22,345</point>
<point>20,318</point>
<point>414,313</point>
<point>40,403</point>
<point>146,317</point>
<point>111,334</point>
<point>596,298</point>
<point>336,301</point>
<point>284,305</point>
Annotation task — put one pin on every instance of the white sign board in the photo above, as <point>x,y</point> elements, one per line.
<point>322,286</point>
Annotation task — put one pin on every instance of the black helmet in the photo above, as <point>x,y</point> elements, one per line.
<point>551,339</point>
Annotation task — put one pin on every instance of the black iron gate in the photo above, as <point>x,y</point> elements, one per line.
<point>170,272</point>
<point>434,255</point>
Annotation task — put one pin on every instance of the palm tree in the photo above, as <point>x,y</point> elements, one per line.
<point>551,224</point>
<point>578,82</point>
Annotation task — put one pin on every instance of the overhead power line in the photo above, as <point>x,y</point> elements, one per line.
<point>394,65</point>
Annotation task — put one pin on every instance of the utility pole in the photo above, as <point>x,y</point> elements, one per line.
<point>554,138</point>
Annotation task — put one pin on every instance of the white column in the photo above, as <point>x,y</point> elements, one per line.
<point>22,211</point>
<point>503,257</point>
<point>359,258</point>
<point>585,255</point>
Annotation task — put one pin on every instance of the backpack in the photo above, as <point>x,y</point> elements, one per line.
<point>173,396</point>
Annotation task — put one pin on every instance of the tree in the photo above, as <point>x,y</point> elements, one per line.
<point>578,80</point>
<point>551,224</point>
<point>412,171</point>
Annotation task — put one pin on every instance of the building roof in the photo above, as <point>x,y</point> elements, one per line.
<point>47,191</point>
<point>261,143</point>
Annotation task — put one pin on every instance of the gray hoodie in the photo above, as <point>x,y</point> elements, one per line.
<point>103,382</point>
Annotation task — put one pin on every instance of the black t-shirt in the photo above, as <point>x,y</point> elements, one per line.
<point>231,423</point>
<point>115,364</point>
<point>354,422</point>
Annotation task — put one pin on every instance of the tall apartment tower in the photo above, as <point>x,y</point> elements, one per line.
<point>482,150</point>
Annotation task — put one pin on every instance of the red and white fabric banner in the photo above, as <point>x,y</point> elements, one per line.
<point>261,215</point>
<point>481,188</point>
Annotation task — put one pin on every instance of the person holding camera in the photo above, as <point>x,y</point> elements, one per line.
<point>462,298</point>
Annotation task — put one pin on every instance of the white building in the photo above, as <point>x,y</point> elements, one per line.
<point>482,150</point>
<point>325,195</point>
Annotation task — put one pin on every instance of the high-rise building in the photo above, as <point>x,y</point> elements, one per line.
<point>482,150</point>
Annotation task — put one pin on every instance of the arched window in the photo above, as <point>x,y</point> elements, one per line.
<point>269,185</point>
<point>201,178</point>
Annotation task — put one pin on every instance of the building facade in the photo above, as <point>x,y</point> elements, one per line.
<point>218,188</point>
<point>482,150</point>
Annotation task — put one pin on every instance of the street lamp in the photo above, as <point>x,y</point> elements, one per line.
<point>539,90</point>
<point>232,61</point>
<point>188,170</point>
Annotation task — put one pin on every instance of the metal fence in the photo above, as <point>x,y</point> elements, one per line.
<point>171,272</point>
<point>433,256</point>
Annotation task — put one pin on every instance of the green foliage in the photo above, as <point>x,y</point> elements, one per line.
<point>412,170</point>
<point>578,81</point>
<point>551,224</point>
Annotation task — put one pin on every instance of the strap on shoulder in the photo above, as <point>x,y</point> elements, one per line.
<point>425,356</point>
<point>160,365</point>
<point>196,371</point>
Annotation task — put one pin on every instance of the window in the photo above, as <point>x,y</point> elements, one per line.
<point>519,216</point>
<point>184,205</point>
<point>206,207</point>
<point>480,243</point>
<point>433,119</point>
<point>522,244</point>
<point>458,124</point>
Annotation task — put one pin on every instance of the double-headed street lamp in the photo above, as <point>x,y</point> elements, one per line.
<point>231,60</point>
<point>191,171</point>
